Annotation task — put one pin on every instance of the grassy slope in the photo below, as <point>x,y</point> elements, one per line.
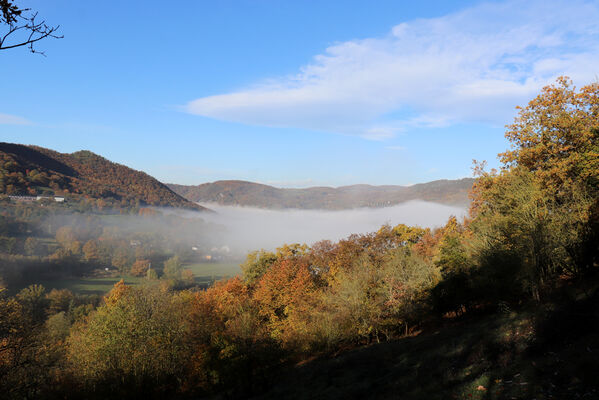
<point>540,352</point>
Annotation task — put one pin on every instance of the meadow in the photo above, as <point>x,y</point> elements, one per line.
<point>205,274</point>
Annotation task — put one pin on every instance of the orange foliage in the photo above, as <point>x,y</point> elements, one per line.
<point>117,292</point>
<point>227,298</point>
<point>140,267</point>
<point>285,295</point>
<point>557,135</point>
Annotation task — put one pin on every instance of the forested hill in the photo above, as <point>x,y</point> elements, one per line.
<point>453,192</point>
<point>32,170</point>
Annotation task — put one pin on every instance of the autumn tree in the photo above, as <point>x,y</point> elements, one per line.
<point>452,257</point>
<point>371,301</point>
<point>65,235</point>
<point>137,337</point>
<point>18,333</point>
<point>542,234</point>
<point>556,136</point>
<point>542,208</point>
<point>31,246</point>
<point>151,274</point>
<point>256,264</point>
<point>59,300</point>
<point>285,294</point>
<point>140,267</point>
<point>122,259</point>
<point>25,359</point>
<point>232,345</point>
<point>91,251</point>
<point>34,302</point>
<point>173,268</point>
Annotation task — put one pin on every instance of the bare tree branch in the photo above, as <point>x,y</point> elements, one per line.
<point>22,27</point>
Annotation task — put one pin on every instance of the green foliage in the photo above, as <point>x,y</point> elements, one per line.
<point>60,300</point>
<point>172,268</point>
<point>34,302</point>
<point>539,212</point>
<point>25,360</point>
<point>374,302</point>
<point>8,245</point>
<point>136,338</point>
<point>58,326</point>
<point>122,259</point>
<point>31,246</point>
<point>555,137</point>
<point>543,234</point>
<point>256,264</point>
<point>151,274</point>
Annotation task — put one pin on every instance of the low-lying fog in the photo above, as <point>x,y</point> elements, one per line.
<point>254,228</point>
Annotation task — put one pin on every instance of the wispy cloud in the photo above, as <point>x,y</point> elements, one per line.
<point>7,119</point>
<point>475,65</point>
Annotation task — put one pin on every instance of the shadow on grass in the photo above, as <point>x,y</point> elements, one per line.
<point>502,356</point>
<point>88,285</point>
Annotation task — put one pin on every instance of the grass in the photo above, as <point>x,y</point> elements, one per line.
<point>205,274</point>
<point>90,285</point>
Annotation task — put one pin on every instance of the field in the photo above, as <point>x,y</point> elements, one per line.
<point>89,285</point>
<point>205,274</point>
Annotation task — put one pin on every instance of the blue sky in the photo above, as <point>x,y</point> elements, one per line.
<point>292,93</point>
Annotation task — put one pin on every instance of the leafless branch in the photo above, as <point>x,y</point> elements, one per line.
<point>23,29</point>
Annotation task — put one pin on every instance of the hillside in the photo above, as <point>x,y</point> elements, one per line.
<point>452,192</point>
<point>32,170</point>
<point>541,351</point>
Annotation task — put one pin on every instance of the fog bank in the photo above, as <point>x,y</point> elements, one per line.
<point>253,228</point>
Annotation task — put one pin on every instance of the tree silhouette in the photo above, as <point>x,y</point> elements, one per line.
<point>21,27</point>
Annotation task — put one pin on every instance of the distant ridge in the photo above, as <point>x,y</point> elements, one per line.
<point>243,193</point>
<point>33,170</point>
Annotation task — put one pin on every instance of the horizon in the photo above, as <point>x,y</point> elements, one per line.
<point>384,94</point>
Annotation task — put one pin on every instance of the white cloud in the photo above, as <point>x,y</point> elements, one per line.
<point>475,65</point>
<point>7,119</point>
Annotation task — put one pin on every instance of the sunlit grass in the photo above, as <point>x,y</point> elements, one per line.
<point>210,272</point>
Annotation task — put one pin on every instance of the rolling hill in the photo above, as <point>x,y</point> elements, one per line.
<point>32,170</point>
<point>242,193</point>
